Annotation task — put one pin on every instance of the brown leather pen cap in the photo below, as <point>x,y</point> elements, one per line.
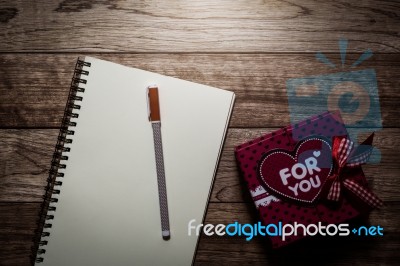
<point>154,105</point>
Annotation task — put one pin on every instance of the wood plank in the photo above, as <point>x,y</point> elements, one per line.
<point>206,26</point>
<point>17,225</point>
<point>21,150</point>
<point>34,87</point>
<point>26,154</point>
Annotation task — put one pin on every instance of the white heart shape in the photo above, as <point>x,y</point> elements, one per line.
<point>316,153</point>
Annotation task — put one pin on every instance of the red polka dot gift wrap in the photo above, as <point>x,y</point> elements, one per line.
<point>286,172</point>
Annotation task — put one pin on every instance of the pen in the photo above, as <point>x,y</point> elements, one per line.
<point>155,119</point>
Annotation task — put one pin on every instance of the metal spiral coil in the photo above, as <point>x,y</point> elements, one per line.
<point>46,213</point>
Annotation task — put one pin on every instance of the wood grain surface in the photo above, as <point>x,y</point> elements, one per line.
<point>250,47</point>
<point>197,26</point>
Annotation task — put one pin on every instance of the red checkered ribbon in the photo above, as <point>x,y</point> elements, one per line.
<point>344,155</point>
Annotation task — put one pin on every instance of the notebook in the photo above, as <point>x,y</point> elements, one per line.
<point>101,205</point>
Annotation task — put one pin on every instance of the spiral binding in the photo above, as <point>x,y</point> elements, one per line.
<point>46,213</point>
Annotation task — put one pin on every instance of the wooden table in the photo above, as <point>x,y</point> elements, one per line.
<point>249,47</point>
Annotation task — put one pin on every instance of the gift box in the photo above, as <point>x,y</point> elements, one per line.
<point>292,175</point>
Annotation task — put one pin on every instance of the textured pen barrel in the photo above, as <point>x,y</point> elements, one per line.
<point>162,189</point>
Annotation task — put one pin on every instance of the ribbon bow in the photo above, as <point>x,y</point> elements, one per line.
<point>344,155</point>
